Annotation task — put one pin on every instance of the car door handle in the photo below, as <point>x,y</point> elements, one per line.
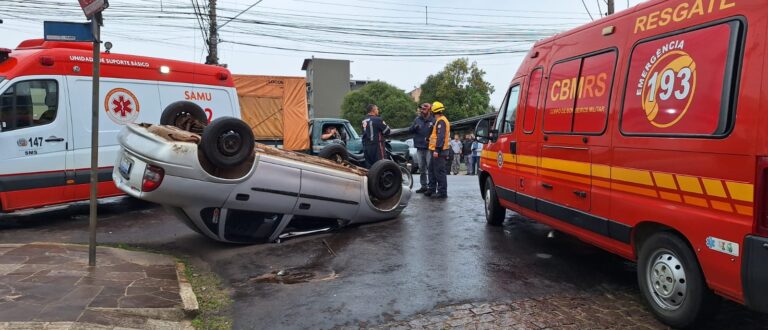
<point>54,139</point>
<point>582,194</point>
<point>513,147</point>
<point>547,186</point>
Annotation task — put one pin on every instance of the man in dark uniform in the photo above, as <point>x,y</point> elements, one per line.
<point>374,131</point>
<point>439,145</point>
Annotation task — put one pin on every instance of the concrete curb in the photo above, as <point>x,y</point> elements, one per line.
<point>188,298</point>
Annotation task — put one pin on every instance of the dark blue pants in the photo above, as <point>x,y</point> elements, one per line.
<point>373,152</point>
<point>438,181</point>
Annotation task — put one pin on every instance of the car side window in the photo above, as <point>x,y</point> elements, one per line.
<point>510,111</point>
<point>29,103</point>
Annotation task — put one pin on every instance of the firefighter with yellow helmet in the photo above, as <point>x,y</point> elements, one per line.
<point>439,147</point>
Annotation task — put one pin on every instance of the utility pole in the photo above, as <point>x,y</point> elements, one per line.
<point>213,35</point>
<point>610,7</point>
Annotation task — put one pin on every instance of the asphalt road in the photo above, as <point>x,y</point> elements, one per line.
<point>438,253</point>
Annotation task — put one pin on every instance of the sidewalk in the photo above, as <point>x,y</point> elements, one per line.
<point>50,286</point>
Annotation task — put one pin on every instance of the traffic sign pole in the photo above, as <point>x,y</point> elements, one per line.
<point>96,24</point>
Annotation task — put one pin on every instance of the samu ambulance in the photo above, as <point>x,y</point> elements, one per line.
<point>644,133</point>
<point>45,114</point>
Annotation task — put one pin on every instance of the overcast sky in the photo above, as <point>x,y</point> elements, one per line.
<point>275,36</point>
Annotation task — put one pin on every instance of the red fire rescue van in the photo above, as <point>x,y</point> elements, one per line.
<point>643,133</point>
<point>45,114</point>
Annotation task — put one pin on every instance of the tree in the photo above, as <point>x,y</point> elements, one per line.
<point>395,106</point>
<point>461,88</point>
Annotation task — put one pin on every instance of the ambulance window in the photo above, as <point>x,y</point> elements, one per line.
<point>29,103</point>
<point>558,112</point>
<point>510,111</point>
<point>682,85</point>
<point>532,100</point>
<point>594,92</point>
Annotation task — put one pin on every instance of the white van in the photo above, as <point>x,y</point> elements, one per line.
<point>45,114</point>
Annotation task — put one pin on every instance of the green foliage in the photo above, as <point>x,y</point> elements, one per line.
<point>395,106</point>
<point>461,88</point>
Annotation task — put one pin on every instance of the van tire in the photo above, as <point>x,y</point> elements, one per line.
<point>672,283</point>
<point>227,142</point>
<point>334,152</point>
<point>494,212</point>
<point>384,179</point>
<point>177,110</point>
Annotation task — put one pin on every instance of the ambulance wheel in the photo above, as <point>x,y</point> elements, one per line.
<point>494,212</point>
<point>335,152</point>
<point>174,112</point>
<point>672,282</point>
<point>227,142</point>
<point>384,179</point>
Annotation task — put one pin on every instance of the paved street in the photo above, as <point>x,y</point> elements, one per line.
<point>438,265</point>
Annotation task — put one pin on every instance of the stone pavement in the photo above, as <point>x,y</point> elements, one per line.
<point>50,286</point>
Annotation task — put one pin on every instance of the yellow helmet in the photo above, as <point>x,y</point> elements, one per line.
<point>437,107</point>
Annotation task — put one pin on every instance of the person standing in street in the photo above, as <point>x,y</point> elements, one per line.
<point>456,149</point>
<point>439,146</point>
<point>477,150</point>
<point>421,129</point>
<point>374,131</point>
<point>466,150</point>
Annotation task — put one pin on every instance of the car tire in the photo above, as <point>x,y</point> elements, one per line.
<point>175,111</point>
<point>672,283</point>
<point>227,142</point>
<point>334,152</point>
<point>494,212</point>
<point>384,179</point>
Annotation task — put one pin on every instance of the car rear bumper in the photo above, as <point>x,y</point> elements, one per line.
<point>755,273</point>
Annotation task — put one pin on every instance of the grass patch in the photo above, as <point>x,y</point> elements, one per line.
<point>213,299</point>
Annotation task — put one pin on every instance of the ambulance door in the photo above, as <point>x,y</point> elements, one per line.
<point>504,150</point>
<point>527,135</point>
<point>34,137</point>
<point>121,102</point>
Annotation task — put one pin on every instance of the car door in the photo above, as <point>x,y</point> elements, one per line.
<point>34,138</point>
<point>505,147</point>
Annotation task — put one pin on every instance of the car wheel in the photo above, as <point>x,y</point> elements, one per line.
<point>178,114</point>
<point>227,142</point>
<point>494,212</point>
<point>672,283</point>
<point>384,179</point>
<point>335,152</point>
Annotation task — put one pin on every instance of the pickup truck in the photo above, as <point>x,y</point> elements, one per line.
<point>353,141</point>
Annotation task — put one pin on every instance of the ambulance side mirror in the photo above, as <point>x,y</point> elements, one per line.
<point>484,133</point>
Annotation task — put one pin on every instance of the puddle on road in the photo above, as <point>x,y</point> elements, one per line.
<point>297,275</point>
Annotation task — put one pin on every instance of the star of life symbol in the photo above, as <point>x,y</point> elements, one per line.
<point>121,106</point>
<point>500,159</point>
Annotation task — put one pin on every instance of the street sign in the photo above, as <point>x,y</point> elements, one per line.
<point>67,31</point>
<point>92,7</point>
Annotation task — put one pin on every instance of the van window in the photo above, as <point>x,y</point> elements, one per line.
<point>29,103</point>
<point>681,84</point>
<point>511,111</point>
<point>532,100</point>
<point>579,94</point>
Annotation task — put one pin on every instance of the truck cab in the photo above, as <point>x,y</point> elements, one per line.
<point>353,141</point>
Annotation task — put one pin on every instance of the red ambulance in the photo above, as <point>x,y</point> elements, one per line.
<point>643,133</point>
<point>45,114</point>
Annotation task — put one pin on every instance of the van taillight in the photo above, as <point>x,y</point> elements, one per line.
<point>761,197</point>
<point>153,177</point>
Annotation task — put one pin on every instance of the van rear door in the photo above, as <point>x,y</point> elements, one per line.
<point>34,136</point>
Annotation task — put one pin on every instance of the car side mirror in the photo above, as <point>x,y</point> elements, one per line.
<point>484,133</point>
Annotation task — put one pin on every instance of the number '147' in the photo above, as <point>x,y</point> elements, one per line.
<point>36,142</point>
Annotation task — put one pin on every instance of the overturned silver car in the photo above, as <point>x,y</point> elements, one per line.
<point>231,189</point>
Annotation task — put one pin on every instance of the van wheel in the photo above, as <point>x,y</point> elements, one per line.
<point>672,283</point>
<point>335,152</point>
<point>227,142</point>
<point>384,179</point>
<point>179,114</point>
<point>494,212</point>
